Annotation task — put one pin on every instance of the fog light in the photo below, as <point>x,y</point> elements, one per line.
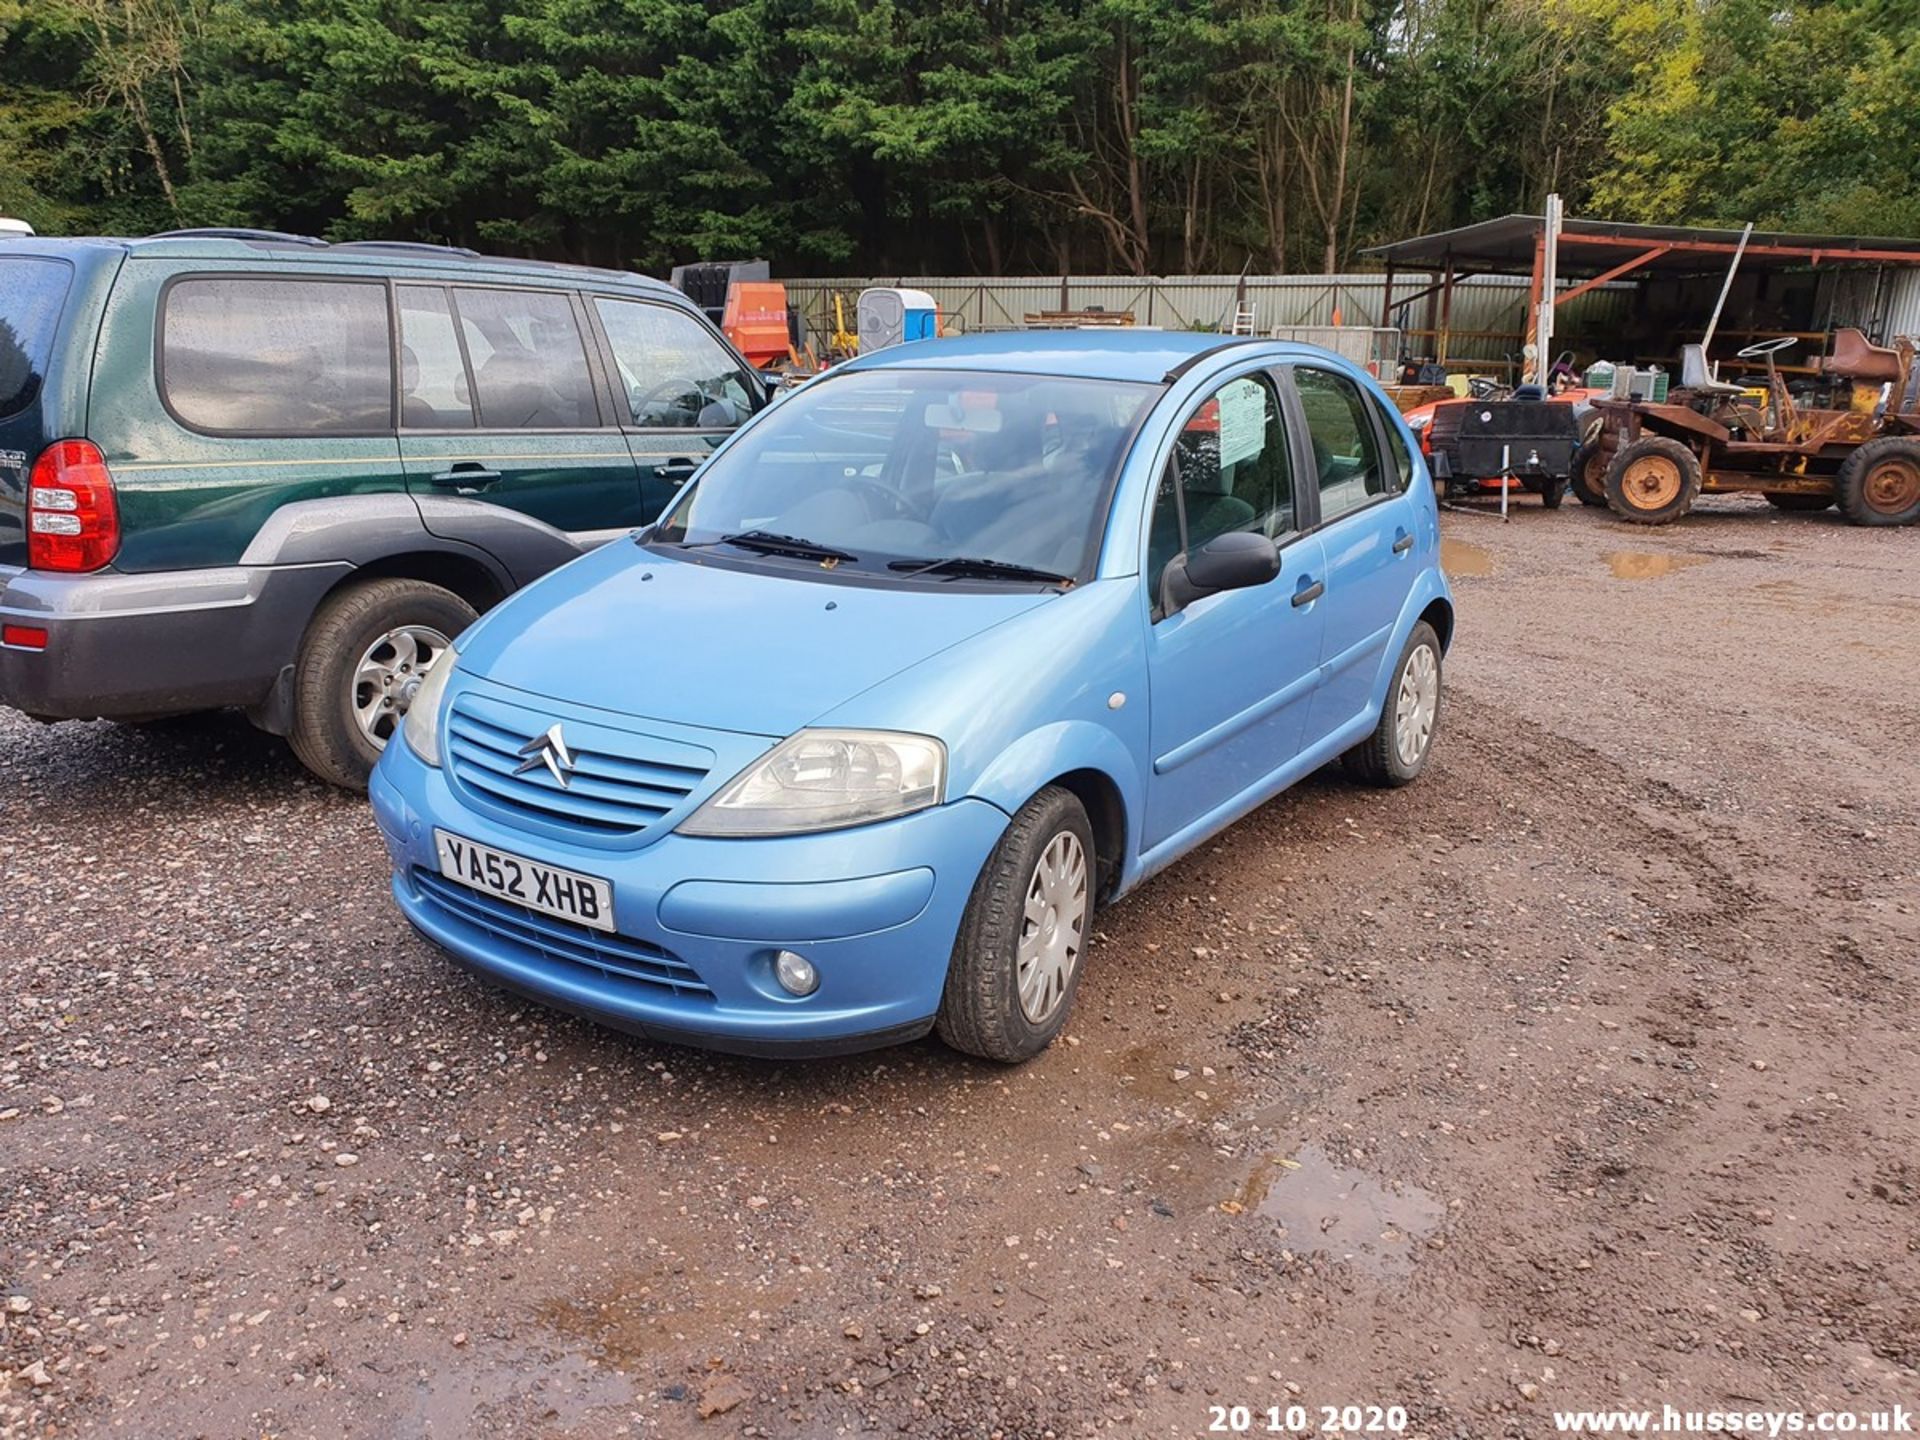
<point>795,973</point>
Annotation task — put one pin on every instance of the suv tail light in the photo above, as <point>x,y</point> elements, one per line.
<point>73,521</point>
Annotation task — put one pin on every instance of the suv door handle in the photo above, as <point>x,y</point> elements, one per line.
<point>1403,544</point>
<point>465,472</point>
<point>1307,594</point>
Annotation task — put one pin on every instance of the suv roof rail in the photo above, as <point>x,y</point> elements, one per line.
<point>215,232</point>
<point>426,246</point>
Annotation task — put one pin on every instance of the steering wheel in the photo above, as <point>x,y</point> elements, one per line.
<point>675,387</point>
<point>898,506</point>
<point>1762,348</point>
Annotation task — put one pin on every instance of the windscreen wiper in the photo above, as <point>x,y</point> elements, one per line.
<point>967,567</point>
<point>769,542</point>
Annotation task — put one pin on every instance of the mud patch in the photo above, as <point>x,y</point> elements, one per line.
<point>1645,565</point>
<point>1460,559</point>
<point>1346,1214</point>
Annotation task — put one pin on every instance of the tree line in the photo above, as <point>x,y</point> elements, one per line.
<point>953,136</point>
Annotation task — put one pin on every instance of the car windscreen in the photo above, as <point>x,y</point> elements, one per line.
<point>32,291</point>
<point>896,468</point>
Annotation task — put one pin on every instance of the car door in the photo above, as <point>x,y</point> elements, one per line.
<point>499,401</point>
<point>1230,674</point>
<point>682,390</point>
<point>1367,526</point>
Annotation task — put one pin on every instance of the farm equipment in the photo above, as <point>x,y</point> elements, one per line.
<point>1852,440</point>
<point>1522,440</point>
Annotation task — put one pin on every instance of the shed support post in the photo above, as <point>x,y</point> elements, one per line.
<point>1446,313</point>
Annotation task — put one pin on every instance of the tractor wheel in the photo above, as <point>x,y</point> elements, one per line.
<point>1791,500</point>
<point>1879,484</point>
<point>1588,478</point>
<point>1653,481</point>
<point>1553,489</point>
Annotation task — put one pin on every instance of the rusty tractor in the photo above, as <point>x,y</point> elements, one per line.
<point>1858,447</point>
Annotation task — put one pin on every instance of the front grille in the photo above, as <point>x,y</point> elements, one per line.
<point>616,956</point>
<point>622,782</point>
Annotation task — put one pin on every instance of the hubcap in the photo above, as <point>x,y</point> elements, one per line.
<point>1893,485</point>
<point>389,674</point>
<point>1053,926</point>
<point>1415,705</point>
<point>1651,482</point>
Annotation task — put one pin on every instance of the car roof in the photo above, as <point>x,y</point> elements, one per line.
<point>1104,353</point>
<point>378,255</point>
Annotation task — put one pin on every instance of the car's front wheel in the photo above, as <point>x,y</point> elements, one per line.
<point>1017,960</point>
<point>365,653</point>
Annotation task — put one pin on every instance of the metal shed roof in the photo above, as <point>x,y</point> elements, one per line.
<point>1592,247</point>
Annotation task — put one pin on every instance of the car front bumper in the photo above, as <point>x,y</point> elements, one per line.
<point>875,909</point>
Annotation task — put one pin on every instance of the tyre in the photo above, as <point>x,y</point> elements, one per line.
<point>1784,500</point>
<point>365,651</point>
<point>1397,751</point>
<point>1653,481</point>
<point>1588,477</point>
<point>1017,959</point>
<point>1553,489</point>
<point>1879,484</point>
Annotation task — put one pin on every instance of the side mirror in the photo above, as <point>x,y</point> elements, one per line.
<point>1237,560</point>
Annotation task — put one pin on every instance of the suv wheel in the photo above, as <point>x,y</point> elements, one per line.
<point>1017,961</point>
<point>364,655</point>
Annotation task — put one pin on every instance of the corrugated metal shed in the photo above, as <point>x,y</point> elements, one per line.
<point>1489,311</point>
<point>1884,303</point>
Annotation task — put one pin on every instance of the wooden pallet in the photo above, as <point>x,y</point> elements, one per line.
<point>1076,319</point>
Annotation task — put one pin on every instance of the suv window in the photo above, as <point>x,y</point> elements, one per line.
<point>434,391</point>
<point>1229,471</point>
<point>277,356</point>
<point>528,361</point>
<point>673,372</point>
<point>31,294</point>
<point>1344,450</point>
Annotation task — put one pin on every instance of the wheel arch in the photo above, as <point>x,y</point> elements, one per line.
<point>1106,809</point>
<point>1091,762</point>
<point>1439,614</point>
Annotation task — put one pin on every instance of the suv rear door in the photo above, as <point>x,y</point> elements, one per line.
<point>681,389</point>
<point>501,399</point>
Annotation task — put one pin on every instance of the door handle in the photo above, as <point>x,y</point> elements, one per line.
<point>1307,594</point>
<point>1403,544</point>
<point>465,472</point>
<point>678,471</point>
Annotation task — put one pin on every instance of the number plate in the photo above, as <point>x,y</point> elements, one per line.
<point>552,891</point>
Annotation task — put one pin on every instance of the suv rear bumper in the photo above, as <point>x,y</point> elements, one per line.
<point>129,646</point>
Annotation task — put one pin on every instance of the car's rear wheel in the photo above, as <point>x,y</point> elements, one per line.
<point>1017,959</point>
<point>1879,484</point>
<point>365,653</point>
<point>1397,751</point>
<point>1653,481</point>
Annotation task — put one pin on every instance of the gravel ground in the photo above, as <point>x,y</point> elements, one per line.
<point>1581,1073</point>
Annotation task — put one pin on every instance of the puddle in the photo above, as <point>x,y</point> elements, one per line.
<point>1643,565</point>
<point>1457,557</point>
<point>1343,1213</point>
<point>471,1399</point>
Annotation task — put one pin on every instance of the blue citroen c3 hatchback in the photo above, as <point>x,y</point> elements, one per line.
<point>946,648</point>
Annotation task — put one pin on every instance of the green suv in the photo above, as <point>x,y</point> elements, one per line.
<point>245,469</point>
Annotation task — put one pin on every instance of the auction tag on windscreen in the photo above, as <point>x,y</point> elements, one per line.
<point>1243,420</point>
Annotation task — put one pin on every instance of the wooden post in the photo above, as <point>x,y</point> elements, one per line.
<point>1386,299</point>
<point>1446,314</point>
<point>1529,335</point>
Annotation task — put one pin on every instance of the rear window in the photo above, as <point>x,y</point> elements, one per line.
<point>257,355</point>
<point>32,290</point>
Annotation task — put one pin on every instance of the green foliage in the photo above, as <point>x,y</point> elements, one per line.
<point>901,136</point>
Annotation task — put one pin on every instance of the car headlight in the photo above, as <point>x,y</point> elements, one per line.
<point>422,727</point>
<point>825,780</point>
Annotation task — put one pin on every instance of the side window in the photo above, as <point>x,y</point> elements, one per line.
<point>1230,471</point>
<point>1344,451</point>
<point>673,372</point>
<point>277,356</point>
<point>434,393</point>
<point>1400,475</point>
<point>529,363</point>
